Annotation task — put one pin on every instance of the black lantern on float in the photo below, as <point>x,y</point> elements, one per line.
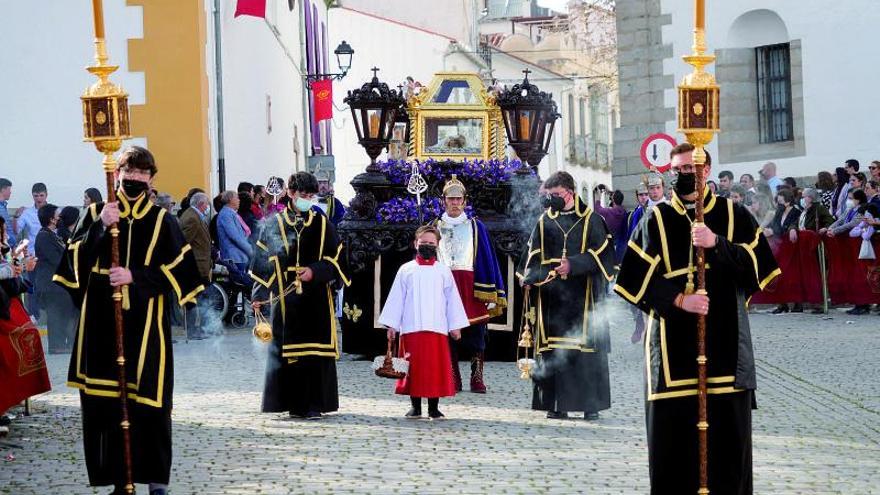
<point>374,108</point>
<point>529,116</point>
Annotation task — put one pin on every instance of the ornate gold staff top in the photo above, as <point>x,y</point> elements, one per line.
<point>698,121</point>
<point>105,123</point>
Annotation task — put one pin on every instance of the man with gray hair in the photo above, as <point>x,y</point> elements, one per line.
<point>768,173</point>
<point>194,224</point>
<point>164,200</point>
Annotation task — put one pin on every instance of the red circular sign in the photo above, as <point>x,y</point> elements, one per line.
<point>655,151</point>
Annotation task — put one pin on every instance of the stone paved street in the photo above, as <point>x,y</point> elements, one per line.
<point>817,430</point>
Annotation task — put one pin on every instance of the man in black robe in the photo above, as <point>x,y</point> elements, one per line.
<point>154,261</point>
<point>657,275</point>
<point>299,260</point>
<point>569,261</point>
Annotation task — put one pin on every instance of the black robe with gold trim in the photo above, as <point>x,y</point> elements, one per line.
<point>654,271</point>
<point>301,368</point>
<point>152,246</point>
<point>571,336</point>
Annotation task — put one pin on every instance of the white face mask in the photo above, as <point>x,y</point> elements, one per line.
<point>850,203</point>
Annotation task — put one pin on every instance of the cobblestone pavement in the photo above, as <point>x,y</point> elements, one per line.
<point>817,430</point>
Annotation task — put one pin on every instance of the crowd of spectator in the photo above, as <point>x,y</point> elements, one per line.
<point>220,232</point>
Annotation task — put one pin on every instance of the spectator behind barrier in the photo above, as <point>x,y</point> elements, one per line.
<point>851,216</point>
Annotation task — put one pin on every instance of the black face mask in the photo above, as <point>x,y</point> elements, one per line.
<point>427,251</point>
<point>685,184</point>
<point>134,188</point>
<point>555,203</point>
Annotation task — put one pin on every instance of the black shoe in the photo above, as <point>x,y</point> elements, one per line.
<point>5,420</point>
<point>858,310</point>
<point>797,308</point>
<point>591,416</point>
<point>413,413</point>
<point>557,415</point>
<point>782,308</point>
<point>436,414</point>
<point>312,415</point>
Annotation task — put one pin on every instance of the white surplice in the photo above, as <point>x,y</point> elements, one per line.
<point>424,298</point>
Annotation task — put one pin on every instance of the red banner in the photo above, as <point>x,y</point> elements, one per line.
<point>255,8</point>
<point>322,99</point>
<point>850,280</point>
<point>22,362</point>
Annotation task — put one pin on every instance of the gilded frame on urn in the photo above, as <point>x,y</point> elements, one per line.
<point>422,108</point>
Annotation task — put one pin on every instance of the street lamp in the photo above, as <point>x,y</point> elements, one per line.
<point>529,116</point>
<point>343,56</point>
<point>374,108</point>
<point>343,53</point>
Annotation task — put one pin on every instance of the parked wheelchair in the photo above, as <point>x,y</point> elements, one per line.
<point>229,295</point>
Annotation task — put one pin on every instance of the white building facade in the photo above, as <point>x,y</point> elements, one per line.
<point>168,54</point>
<point>418,44</point>
<point>796,82</point>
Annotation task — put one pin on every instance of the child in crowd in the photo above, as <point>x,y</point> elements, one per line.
<point>425,308</point>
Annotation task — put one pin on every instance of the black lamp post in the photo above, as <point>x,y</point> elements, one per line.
<point>529,117</point>
<point>343,53</point>
<point>374,108</point>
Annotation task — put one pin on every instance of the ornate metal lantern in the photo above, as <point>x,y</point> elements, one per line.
<point>529,118</point>
<point>698,96</point>
<point>105,109</point>
<point>374,108</point>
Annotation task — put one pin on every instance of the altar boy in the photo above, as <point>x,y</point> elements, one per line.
<point>425,308</point>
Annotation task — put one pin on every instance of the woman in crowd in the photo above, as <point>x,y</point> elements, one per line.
<point>233,233</point>
<point>22,363</point>
<point>61,315</point>
<point>825,188</point>
<point>857,181</point>
<point>784,220</point>
<point>786,216</point>
<point>759,205</point>
<point>841,191</point>
<point>850,217</point>
<point>91,196</point>
<point>66,222</point>
<point>737,194</point>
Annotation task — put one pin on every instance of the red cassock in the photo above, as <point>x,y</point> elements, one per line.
<point>430,367</point>
<point>23,371</point>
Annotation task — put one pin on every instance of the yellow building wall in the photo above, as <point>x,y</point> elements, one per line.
<point>174,118</point>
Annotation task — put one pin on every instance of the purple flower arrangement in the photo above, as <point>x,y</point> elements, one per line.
<point>406,210</point>
<point>489,172</point>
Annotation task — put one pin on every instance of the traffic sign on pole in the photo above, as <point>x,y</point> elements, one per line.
<point>655,151</point>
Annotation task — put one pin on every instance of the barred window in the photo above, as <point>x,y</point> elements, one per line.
<point>774,93</point>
